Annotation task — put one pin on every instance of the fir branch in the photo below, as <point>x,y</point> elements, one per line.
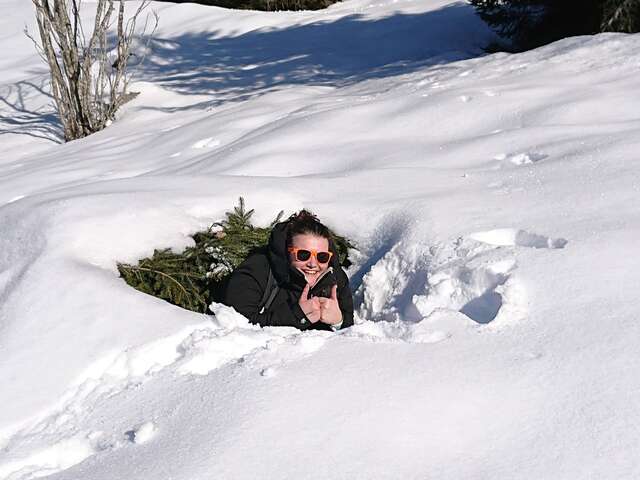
<point>188,292</point>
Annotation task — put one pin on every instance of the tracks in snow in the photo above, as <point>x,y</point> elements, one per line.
<point>474,275</point>
<point>409,292</point>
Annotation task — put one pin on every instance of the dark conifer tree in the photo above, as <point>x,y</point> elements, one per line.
<point>621,16</point>
<point>532,23</point>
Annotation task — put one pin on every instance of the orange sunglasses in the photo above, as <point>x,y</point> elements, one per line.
<point>302,254</point>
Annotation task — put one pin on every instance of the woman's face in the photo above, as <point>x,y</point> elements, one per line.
<point>310,268</point>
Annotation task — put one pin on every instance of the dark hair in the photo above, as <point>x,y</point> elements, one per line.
<point>305,223</point>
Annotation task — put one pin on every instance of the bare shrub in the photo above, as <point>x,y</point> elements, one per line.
<point>90,73</point>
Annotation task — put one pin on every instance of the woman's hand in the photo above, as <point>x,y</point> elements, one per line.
<point>310,306</point>
<point>330,308</point>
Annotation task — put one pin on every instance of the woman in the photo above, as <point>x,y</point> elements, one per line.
<point>298,282</point>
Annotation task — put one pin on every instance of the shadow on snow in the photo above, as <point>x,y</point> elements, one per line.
<point>16,118</point>
<point>338,53</point>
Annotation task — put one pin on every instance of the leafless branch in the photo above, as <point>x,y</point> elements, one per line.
<point>89,74</point>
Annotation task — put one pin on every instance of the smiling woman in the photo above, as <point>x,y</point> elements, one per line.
<point>298,282</point>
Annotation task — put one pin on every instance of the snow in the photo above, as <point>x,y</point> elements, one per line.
<point>494,200</point>
<point>143,433</point>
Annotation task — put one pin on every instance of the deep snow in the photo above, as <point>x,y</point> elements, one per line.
<point>494,199</point>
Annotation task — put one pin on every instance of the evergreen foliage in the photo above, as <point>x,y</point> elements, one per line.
<point>264,5</point>
<point>196,277</point>
<point>532,23</point>
<point>621,16</point>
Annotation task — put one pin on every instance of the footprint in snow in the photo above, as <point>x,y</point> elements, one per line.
<point>209,142</point>
<point>142,433</point>
<point>268,372</point>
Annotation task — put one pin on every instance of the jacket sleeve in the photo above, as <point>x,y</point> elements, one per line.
<point>245,290</point>
<point>345,299</point>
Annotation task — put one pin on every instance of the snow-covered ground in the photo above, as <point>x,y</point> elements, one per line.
<point>495,200</point>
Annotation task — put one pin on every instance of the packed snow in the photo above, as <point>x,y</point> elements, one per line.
<point>494,200</point>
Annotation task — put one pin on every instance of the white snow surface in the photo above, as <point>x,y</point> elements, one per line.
<point>495,200</point>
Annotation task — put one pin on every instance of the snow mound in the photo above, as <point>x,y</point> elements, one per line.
<point>494,199</point>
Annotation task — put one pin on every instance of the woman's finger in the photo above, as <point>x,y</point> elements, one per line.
<point>305,292</point>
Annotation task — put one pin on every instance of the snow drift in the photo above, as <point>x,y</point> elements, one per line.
<point>494,199</point>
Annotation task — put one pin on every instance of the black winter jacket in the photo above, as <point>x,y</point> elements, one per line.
<point>249,280</point>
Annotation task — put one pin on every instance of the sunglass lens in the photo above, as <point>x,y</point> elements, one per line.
<point>303,255</point>
<point>323,257</point>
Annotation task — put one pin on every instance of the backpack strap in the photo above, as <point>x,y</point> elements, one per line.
<point>269,294</point>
